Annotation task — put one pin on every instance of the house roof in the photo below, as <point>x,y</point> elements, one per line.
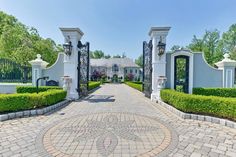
<point>123,62</point>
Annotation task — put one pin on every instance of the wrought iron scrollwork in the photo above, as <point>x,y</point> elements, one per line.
<point>83,68</point>
<point>147,68</point>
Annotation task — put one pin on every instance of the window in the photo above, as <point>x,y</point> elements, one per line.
<point>115,68</point>
<point>131,71</point>
<point>136,71</point>
<point>126,71</point>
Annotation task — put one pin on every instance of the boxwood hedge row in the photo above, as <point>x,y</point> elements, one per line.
<point>93,85</point>
<point>221,92</point>
<point>26,101</point>
<point>206,105</point>
<point>33,89</point>
<point>136,85</point>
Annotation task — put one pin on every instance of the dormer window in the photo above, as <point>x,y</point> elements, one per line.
<point>115,68</point>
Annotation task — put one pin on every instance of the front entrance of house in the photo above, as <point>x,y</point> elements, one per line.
<point>181,73</point>
<point>115,78</point>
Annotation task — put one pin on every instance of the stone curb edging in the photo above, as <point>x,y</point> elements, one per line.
<point>34,112</point>
<point>211,119</point>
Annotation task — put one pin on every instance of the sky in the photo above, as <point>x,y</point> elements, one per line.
<point>118,26</point>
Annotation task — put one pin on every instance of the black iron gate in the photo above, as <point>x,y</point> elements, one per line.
<point>181,73</point>
<point>83,69</point>
<point>147,68</point>
<point>11,71</point>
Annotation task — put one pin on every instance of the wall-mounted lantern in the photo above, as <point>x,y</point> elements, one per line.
<point>161,47</point>
<point>68,48</point>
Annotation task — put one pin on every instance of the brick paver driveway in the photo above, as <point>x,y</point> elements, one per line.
<point>116,120</point>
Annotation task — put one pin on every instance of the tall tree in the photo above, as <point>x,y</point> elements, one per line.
<point>21,43</point>
<point>211,40</point>
<point>107,56</point>
<point>123,55</point>
<point>197,45</point>
<point>97,54</point>
<point>117,56</point>
<point>209,44</point>
<point>175,47</point>
<point>229,41</point>
<point>139,61</point>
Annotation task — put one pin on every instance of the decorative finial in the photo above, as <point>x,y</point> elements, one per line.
<point>39,56</point>
<point>226,56</point>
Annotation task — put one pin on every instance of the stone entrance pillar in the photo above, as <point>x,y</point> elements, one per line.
<point>37,66</point>
<point>158,62</point>
<point>71,62</point>
<point>228,67</point>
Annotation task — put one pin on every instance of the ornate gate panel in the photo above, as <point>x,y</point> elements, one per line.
<point>83,69</point>
<point>147,68</point>
<point>181,73</point>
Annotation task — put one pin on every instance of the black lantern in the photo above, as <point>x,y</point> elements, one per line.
<point>161,48</point>
<point>68,48</point>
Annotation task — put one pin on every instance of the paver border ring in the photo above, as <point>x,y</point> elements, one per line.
<point>169,142</point>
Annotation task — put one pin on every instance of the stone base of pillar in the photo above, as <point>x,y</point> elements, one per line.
<point>73,96</point>
<point>155,97</point>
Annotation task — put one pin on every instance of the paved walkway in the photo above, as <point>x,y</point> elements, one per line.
<point>116,120</point>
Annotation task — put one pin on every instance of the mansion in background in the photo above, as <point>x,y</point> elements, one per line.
<point>115,69</point>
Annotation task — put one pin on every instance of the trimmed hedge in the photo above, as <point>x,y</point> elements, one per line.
<point>221,92</point>
<point>93,85</point>
<point>33,89</point>
<point>26,101</point>
<point>135,85</point>
<point>206,105</point>
<point>137,82</point>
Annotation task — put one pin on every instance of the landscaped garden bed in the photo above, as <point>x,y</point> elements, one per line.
<point>135,85</point>
<point>27,99</point>
<point>198,104</point>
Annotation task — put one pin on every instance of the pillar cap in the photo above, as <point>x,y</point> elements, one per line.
<point>69,30</point>
<point>159,29</point>
<point>226,62</point>
<point>39,61</point>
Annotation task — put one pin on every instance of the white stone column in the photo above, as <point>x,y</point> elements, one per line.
<point>158,62</point>
<point>228,67</point>
<point>71,62</point>
<point>37,66</point>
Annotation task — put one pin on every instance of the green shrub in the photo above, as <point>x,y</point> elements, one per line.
<point>93,85</point>
<point>138,82</point>
<point>33,89</point>
<point>26,101</point>
<point>221,92</point>
<point>135,85</point>
<point>206,105</point>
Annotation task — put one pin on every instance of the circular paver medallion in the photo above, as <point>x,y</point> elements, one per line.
<point>107,134</point>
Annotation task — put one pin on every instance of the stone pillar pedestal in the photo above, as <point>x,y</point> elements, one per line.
<point>228,67</point>
<point>161,81</point>
<point>37,66</point>
<point>158,62</point>
<point>71,62</point>
<point>67,86</point>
